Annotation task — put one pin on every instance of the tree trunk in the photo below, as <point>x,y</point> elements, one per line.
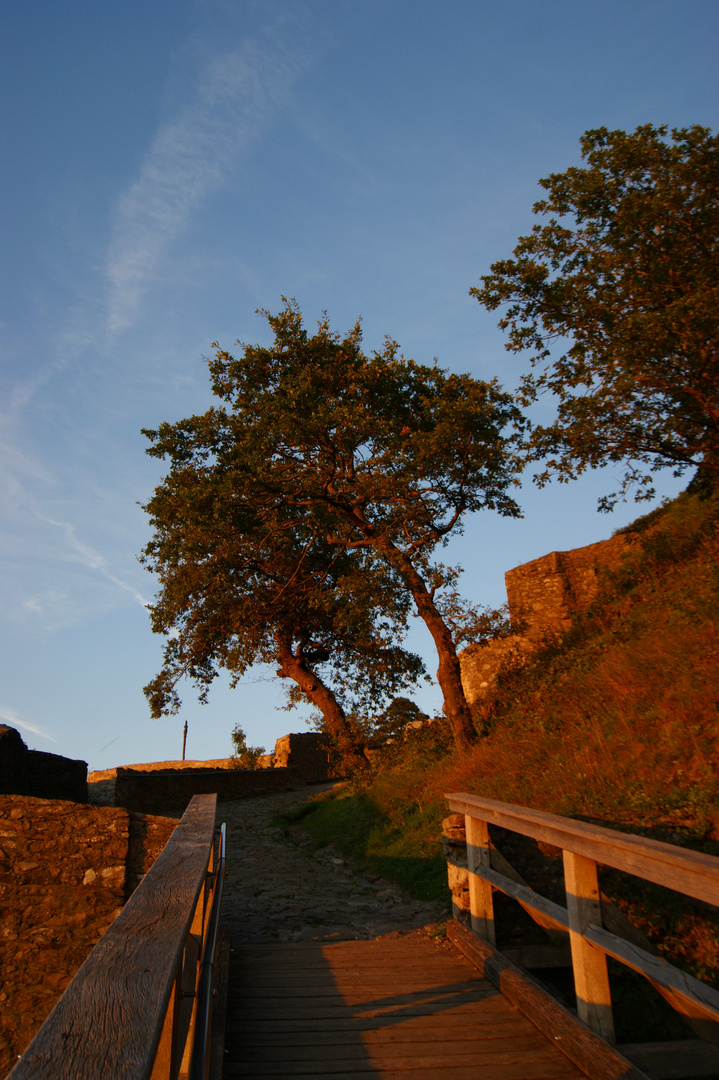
<point>297,669</point>
<point>455,705</point>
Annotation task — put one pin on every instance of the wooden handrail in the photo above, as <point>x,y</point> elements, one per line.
<point>583,846</point>
<point>688,872</point>
<point>128,1010</point>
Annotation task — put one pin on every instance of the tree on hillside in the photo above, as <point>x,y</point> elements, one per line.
<point>625,273</point>
<point>375,456</point>
<point>241,583</point>
<point>392,723</point>
<point>246,756</point>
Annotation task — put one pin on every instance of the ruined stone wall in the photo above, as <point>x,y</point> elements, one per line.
<point>544,595</point>
<point>65,872</point>
<point>99,775</point>
<point>306,753</point>
<point>479,664</point>
<point>35,772</point>
<point>166,787</point>
<point>169,792</point>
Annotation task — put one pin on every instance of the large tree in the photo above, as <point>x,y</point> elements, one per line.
<point>616,300</point>
<point>377,455</point>
<point>241,582</point>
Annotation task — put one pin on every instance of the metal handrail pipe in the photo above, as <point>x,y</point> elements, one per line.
<point>200,1058</point>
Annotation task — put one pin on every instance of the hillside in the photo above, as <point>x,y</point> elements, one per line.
<point>615,721</point>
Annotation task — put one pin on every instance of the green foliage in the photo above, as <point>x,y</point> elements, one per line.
<point>391,723</point>
<point>626,271</point>
<point>246,756</point>
<point>247,572</point>
<point>299,517</point>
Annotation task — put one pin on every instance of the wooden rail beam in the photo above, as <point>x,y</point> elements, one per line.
<point>110,1020</point>
<point>583,846</point>
<point>688,872</point>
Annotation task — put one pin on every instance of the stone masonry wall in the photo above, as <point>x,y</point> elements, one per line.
<point>65,871</point>
<point>169,792</point>
<point>306,752</point>
<point>35,772</point>
<point>543,595</point>
<point>166,787</point>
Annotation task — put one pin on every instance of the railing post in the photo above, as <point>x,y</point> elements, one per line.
<point>481,906</point>
<point>591,979</point>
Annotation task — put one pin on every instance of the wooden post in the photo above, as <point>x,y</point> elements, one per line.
<point>481,907</point>
<point>591,979</point>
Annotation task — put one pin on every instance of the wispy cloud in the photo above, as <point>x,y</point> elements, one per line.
<point>10,717</point>
<point>190,156</point>
<point>92,559</point>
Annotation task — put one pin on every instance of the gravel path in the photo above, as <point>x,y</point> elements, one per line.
<point>277,888</point>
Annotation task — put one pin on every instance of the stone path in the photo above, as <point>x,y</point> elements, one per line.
<point>277,888</point>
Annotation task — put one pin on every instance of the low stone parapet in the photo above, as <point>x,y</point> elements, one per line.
<point>169,791</point>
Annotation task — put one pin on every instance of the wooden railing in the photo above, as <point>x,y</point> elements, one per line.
<point>132,1008</point>
<point>583,846</point>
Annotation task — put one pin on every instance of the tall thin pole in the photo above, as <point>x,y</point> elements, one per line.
<point>184,741</point>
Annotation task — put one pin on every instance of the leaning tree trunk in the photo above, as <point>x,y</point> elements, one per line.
<point>294,667</point>
<point>455,705</point>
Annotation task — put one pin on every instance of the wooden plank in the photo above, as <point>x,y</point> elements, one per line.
<point>688,872</point>
<point>436,1032</point>
<point>412,1029</point>
<point>357,992</point>
<point>395,1054</point>
<point>612,918</point>
<point>695,1000</point>
<point>109,1020</point>
<point>591,979</point>
<point>553,915</point>
<point>498,862</point>
<point>688,995</point>
<point>552,1069</point>
<point>383,1026</point>
<point>581,1045</point>
<point>338,1011</point>
<point>480,892</point>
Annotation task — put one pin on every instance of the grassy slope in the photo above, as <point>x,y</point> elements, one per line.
<point>618,722</point>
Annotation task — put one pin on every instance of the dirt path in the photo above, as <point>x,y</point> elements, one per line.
<point>280,889</point>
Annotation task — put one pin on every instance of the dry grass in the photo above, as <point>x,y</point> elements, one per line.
<point>618,723</point>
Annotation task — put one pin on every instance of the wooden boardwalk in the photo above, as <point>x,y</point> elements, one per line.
<point>398,1007</point>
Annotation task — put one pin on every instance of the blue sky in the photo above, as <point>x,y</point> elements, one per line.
<point>169,167</point>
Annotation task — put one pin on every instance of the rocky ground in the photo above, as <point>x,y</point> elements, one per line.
<point>278,887</point>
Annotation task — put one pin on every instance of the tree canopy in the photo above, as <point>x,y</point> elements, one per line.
<point>374,458</point>
<point>625,275</point>
<point>241,583</point>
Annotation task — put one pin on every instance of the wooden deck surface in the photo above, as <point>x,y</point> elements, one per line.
<point>399,1007</point>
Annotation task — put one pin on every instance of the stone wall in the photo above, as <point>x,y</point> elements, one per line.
<point>306,753</point>
<point>34,772</point>
<point>65,871</point>
<point>169,792</point>
<point>544,595</point>
<point>479,664</point>
<point>163,766</point>
<point>166,787</point>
